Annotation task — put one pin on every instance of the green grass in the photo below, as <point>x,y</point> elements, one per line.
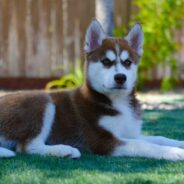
<point>97,169</point>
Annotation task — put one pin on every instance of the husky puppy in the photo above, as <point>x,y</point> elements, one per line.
<point>102,116</point>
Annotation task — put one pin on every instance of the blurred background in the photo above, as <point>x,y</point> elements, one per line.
<point>41,41</point>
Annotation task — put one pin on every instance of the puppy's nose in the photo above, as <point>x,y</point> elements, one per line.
<point>120,78</point>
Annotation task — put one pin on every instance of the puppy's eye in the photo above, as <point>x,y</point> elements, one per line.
<point>107,62</point>
<point>127,62</point>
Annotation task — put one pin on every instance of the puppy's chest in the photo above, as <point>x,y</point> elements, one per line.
<point>123,125</point>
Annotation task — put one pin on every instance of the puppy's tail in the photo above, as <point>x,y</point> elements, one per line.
<point>6,153</point>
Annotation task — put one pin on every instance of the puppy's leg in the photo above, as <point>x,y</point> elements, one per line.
<point>37,145</point>
<point>55,150</point>
<point>6,153</point>
<point>140,148</point>
<point>163,141</point>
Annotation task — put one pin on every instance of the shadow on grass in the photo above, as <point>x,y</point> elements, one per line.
<point>169,123</point>
<point>52,166</point>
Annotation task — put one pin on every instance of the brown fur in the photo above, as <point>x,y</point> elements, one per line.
<point>76,123</point>
<point>110,43</point>
<point>21,115</point>
<point>135,104</point>
<point>76,120</point>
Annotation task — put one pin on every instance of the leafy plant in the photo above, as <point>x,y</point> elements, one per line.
<point>71,80</point>
<point>159,19</point>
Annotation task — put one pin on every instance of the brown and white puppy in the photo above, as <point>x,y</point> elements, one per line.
<point>102,116</point>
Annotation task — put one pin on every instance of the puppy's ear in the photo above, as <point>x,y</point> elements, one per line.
<point>135,39</point>
<point>94,36</point>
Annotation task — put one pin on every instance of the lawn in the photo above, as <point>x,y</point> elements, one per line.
<point>98,169</point>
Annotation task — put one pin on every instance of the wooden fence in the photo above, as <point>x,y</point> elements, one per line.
<point>39,36</point>
<point>43,38</point>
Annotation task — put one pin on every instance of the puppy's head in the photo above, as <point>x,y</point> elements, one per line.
<point>112,62</point>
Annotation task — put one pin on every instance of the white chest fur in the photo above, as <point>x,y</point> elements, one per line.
<point>124,125</point>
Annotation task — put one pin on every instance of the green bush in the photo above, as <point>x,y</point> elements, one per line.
<point>159,19</point>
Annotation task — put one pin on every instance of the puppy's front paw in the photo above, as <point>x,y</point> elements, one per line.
<point>174,154</point>
<point>67,151</point>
